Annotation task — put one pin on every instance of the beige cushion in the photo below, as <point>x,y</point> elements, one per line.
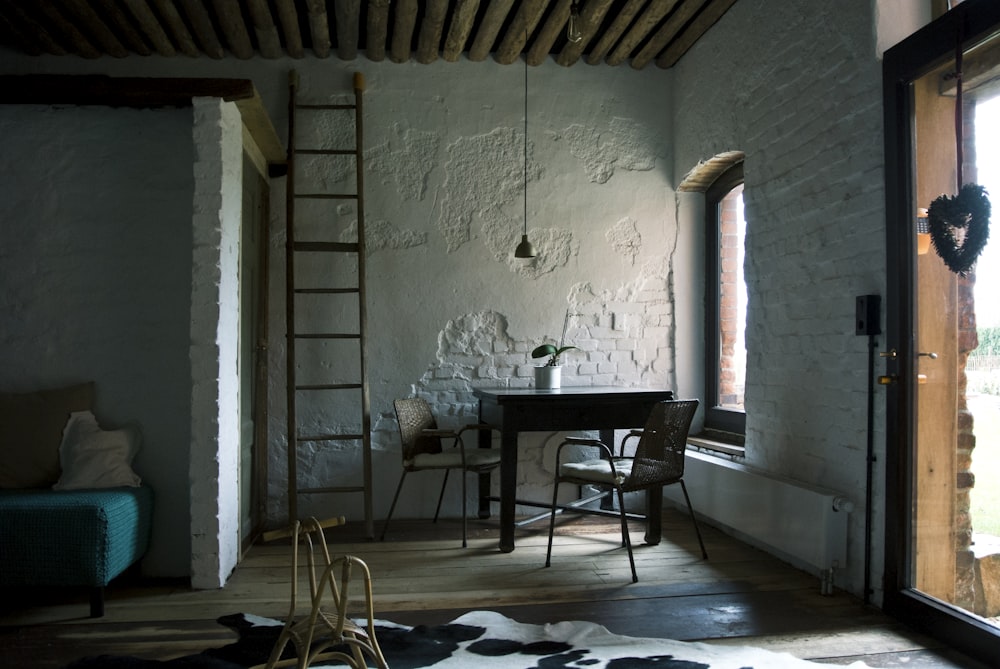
<point>31,427</point>
<point>96,458</point>
<point>598,470</point>
<point>474,457</point>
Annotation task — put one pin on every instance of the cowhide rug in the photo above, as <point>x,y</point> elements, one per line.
<point>485,640</point>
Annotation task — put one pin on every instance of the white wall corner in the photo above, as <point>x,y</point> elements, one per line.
<point>214,473</point>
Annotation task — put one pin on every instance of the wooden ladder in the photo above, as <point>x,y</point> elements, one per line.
<point>328,405</point>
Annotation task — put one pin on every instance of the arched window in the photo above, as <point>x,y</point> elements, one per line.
<point>725,308</point>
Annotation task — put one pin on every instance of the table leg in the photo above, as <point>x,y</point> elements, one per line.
<point>654,515</point>
<point>485,441</point>
<point>508,488</point>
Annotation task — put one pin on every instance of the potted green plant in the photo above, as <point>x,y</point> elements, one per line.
<point>549,375</point>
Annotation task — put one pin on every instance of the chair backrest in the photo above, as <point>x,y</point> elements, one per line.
<point>414,416</point>
<point>659,456</point>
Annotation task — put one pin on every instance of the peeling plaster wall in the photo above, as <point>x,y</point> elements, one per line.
<point>807,112</point>
<point>450,308</point>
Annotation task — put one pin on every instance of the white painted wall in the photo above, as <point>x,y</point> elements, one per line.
<point>215,325</point>
<point>95,270</point>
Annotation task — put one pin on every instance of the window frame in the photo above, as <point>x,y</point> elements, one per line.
<point>721,423</point>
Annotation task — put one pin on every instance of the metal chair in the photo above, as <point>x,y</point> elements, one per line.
<point>327,632</point>
<point>423,450</point>
<point>658,461</point>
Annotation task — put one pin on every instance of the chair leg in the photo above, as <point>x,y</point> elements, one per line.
<point>704,553</point>
<point>625,534</point>
<point>465,543</point>
<point>552,520</point>
<point>392,507</point>
<point>444,484</point>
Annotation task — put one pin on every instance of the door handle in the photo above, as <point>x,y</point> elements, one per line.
<point>932,356</point>
<point>891,354</point>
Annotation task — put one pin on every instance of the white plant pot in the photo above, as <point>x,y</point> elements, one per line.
<point>548,377</point>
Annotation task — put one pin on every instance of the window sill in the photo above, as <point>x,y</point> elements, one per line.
<point>714,446</point>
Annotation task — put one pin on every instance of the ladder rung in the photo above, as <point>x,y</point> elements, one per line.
<point>327,335</point>
<point>330,437</point>
<point>325,247</point>
<point>326,196</point>
<point>326,291</point>
<point>306,491</point>
<point>327,152</point>
<point>336,106</point>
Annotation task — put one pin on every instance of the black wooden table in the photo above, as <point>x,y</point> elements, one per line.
<point>604,408</point>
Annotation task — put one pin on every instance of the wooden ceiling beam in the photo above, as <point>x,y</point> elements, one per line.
<point>26,29</point>
<point>712,12</point>
<point>288,17</point>
<point>59,25</point>
<point>150,27</point>
<point>614,31</point>
<point>268,42</point>
<point>95,27</point>
<point>131,39</point>
<point>319,28</point>
<point>377,29</point>
<point>647,21</point>
<point>591,16</point>
<point>462,20</point>
<point>230,19</point>
<point>550,32</point>
<point>486,35</point>
<point>431,29</point>
<point>529,13</point>
<point>347,16</point>
<point>666,34</point>
<point>181,36</point>
<point>204,31</point>
<point>402,30</point>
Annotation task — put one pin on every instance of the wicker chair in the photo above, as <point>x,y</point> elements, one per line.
<point>658,461</point>
<point>423,450</point>
<point>326,633</point>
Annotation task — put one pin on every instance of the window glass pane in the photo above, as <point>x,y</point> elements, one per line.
<point>732,302</point>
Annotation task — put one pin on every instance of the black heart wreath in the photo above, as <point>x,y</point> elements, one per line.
<point>969,211</point>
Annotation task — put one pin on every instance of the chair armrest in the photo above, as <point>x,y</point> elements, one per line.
<point>477,426</point>
<point>582,441</point>
<point>437,433</point>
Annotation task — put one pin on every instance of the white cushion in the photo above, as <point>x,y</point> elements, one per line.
<point>94,458</point>
<point>474,457</point>
<point>598,470</point>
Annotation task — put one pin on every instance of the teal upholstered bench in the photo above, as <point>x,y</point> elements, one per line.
<point>73,537</point>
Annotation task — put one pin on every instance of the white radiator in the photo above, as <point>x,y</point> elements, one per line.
<point>801,524</point>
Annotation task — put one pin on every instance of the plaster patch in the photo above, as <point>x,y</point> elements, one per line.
<point>626,144</point>
<point>483,174</point>
<point>625,239</point>
<point>380,234</point>
<point>405,160</point>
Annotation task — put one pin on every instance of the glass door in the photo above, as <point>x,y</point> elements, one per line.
<point>936,577</point>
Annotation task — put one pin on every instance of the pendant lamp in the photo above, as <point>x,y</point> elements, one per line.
<point>525,249</point>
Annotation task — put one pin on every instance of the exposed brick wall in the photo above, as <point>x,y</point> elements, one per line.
<point>807,112</point>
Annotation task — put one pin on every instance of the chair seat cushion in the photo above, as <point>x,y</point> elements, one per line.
<point>451,458</point>
<point>597,470</point>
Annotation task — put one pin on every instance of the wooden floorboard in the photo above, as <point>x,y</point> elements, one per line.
<point>422,576</point>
